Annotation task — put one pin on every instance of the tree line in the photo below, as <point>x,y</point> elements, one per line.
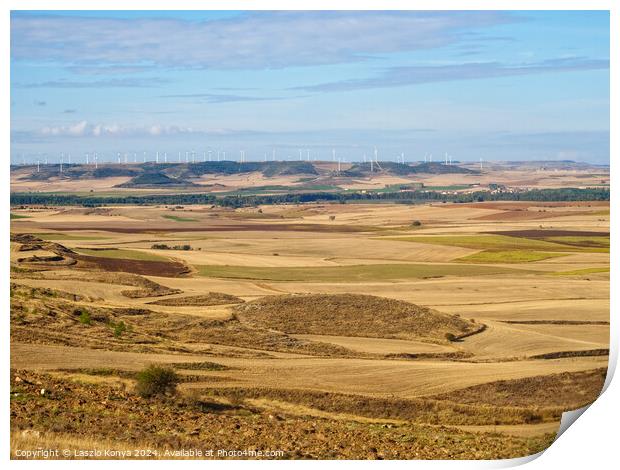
<point>405,197</point>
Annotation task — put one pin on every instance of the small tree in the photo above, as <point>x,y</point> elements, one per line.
<point>450,337</point>
<point>156,380</point>
<point>416,223</point>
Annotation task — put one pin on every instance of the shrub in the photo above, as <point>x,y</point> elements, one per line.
<point>119,329</point>
<point>450,337</point>
<point>416,223</point>
<point>84,317</point>
<point>156,380</point>
<point>332,217</point>
<point>160,246</point>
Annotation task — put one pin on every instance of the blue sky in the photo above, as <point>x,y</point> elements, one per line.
<point>491,84</point>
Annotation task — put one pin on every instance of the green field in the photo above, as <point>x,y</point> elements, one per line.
<point>593,242</point>
<point>498,243</point>
<point>64,236</point>
<point>581,272</point>
<point>508,256</point>
<point>121,254</point>
<point>18,216</point>
<point>176,218</point>
<point>357,273</point>
<point>454,187</point>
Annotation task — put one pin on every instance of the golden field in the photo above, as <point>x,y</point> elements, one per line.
<point>344,326</point>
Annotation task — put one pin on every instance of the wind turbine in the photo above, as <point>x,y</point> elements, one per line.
<point>307,155</point>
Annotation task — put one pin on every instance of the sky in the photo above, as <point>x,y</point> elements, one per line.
<point>497,85</point>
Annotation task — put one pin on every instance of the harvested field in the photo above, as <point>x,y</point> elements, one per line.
<point>380,345</point>
<point>269,324</point>
<point>493,242</point>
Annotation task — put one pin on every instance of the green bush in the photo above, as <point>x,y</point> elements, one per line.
<point>156,380</point>
<point>84,317</point>
<point>416,223</point>
<point>119,329</point>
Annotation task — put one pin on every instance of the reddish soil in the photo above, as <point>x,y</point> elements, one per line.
<point>145,268</point>
<point>523,205</point>
<point>523,214</point>
<point>150,228</point>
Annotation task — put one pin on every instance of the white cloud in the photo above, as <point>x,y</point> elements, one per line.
<point>86,129</point>
<point>250,40</point>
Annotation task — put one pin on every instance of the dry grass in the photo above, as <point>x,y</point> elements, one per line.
<point>569,391</point>
<point>351,315</point>
<point>212,298</point>
<point>72,413</point>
